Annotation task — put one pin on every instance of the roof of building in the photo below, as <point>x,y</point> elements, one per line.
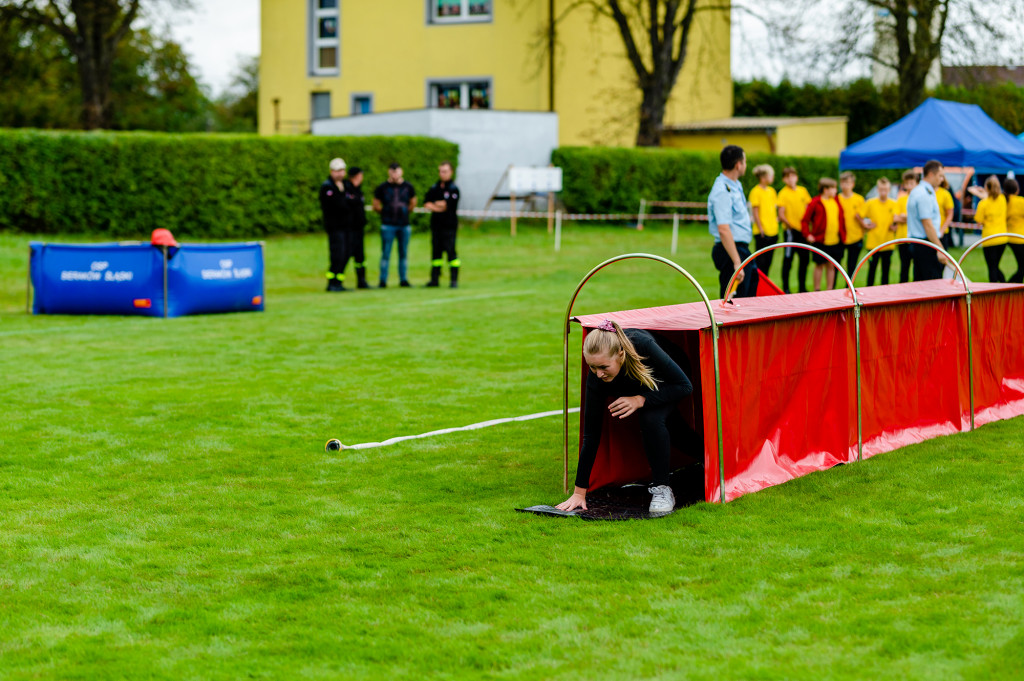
<point>767,124</point>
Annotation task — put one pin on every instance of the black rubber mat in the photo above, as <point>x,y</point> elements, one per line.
<point>630,502</point>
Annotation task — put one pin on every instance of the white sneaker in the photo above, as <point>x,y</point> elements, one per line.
<point>662,499</point>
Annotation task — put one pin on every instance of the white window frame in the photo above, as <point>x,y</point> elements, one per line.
<point>360,95</point>
<point>463,83</point>
<point>464,18</point>
<point>316,42</point>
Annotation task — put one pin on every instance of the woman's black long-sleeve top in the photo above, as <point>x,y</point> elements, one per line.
<point>673,385</point>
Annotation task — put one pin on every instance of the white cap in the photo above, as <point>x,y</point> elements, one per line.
<point>338,164</point>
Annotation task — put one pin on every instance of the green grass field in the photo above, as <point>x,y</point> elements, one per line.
<point>167,510</point>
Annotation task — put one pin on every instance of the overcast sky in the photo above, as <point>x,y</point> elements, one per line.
<point>217,33</point>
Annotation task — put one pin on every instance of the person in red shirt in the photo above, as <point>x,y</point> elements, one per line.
<point>825,227</point>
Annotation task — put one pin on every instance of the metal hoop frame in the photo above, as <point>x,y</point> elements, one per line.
<point>565,358</point>
<point>982,240</point>
<point>967,295</point>
<point>856,319</point>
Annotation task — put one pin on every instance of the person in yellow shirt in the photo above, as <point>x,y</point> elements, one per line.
<point>1015,224</point>
<point>946,206</point>
<point>793,201</point>
<point>853,211</point>
<point>991,215</point>
<point>764,202</point>
<point>906,186</point>
<point>879,228</point>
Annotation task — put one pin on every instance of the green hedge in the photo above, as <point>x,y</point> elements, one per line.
<point>218,186</point>
<point>613,180</point>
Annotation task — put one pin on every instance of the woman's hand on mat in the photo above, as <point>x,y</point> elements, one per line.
<point>577,500</point>
<point>624,406</point>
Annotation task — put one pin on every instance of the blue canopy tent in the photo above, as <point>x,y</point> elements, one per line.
<point>953,133</point>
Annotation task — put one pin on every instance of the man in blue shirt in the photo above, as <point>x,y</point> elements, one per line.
<point>729,223</point>
<point>923,220</point>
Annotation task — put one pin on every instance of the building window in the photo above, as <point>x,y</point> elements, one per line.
<point>325,38</point>
<point>453,94</point>
<point>455,11</point>
<point>321,105</point>
<point>362,104</point>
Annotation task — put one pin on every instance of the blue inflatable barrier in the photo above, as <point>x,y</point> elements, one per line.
<point>141,279</point>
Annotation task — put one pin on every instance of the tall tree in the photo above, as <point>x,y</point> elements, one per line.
<point>906,38</point>
<point>236,109</point>
<point>655,34</point>
<point>92,31</point>
<point>39,84</point>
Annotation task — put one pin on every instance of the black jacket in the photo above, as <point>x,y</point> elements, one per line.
<point>449,193</point>
<point>356,205</point>
<point>334,206</point>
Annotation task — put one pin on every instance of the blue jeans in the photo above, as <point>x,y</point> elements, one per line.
<point>387,237</point>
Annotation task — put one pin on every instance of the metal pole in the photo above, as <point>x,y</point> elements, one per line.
<point>856,316</point>
<point>718,412</point>
<point>28,284</point>
<point>558,231</point>
<point>970,330</point>
<point>675,232</point>
<point>551,209</point>
<point>551,55</point>
<point>164,248</point>
<point>967,292</point>
<point>565,359</point>
<point>860,401</point>
<point>970,357</point>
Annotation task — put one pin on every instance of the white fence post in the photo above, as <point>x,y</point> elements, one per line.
<point>675,232</point>
<point>558,231</point>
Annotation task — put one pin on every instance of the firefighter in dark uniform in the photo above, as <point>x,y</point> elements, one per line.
<point>356,225</point>
<point>442,200</point>
<point>335,209</point>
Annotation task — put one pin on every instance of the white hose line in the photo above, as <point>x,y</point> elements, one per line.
<point>474,426</point>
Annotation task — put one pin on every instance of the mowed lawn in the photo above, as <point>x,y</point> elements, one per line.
<point>167,509</point>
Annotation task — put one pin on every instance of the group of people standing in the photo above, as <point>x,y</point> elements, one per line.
<point>841,223</point>
<point>344,217</point>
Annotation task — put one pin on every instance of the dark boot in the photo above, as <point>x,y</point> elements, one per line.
<point>455,276</point>
<point>435,277</point>
<point>361,275</point>
<point>334,282</point>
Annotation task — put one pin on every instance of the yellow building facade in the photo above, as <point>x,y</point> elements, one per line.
<point>820,136</point>
<point>330,58</point>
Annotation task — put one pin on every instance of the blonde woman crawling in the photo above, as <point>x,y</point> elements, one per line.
<point>629,366</point>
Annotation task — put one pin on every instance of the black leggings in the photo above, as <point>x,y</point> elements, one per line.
<point>905,260</point>
<point>993,254</point>
<point>661,428</point>
<point>764,261</point>
<point>885,257</point>
<point>1018,253</point>
<point>804,257</point>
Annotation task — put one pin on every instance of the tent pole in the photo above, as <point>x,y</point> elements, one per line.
<point>165,280</point>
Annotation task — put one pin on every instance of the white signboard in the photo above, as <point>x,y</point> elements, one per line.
<point>534,180</point>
